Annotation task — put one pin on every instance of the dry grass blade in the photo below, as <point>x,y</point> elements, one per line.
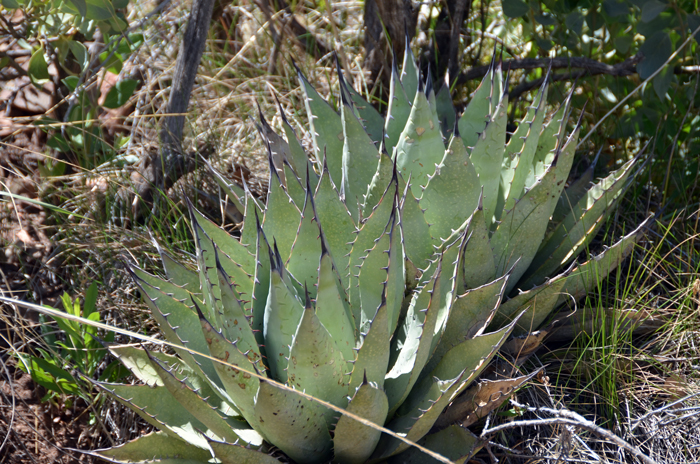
<point>145,338</point>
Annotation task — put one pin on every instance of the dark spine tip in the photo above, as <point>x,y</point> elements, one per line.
<point>344,92</point>
<point>308,179</point>
<point>324,248</point>
<point>344,96</point>
<point>263,121</point>
<point>548,74</point>
<point>281,110</point>
<point>273,259</point>
<point>325,161</point>
<point>307,297</point>
<point>506,83</point>
<point>273,169</point>
<point>339,69</point>
<point>428,82</point>
<point>394,69</point>
<point>492,66</point>
<point>278,257</point>
<point>258,226</point>
<point>200,314</point>
<point>580,116</point>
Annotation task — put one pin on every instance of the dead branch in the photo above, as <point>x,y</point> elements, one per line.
<point>566,417</point>
<point>577,66</point>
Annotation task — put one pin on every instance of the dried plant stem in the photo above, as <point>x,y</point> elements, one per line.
<point>566,417</point>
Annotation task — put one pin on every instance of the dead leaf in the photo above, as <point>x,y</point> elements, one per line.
<point>523,346</point>
<point>480,400</point>
<point>24,237</point>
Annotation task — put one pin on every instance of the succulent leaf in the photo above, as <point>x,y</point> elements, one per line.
<point>446,110</point>
<point>487,157</point>
<point>231,453</point>
<point>520,152</point>
<point>338,226</point>
<point>418,244</point>
<point>200,409</point>
<point>306,251</point>
<point>579,227</point>
<point>235,193</point>
<point>372,230</point>
<point>159,408</point>
<point>360,157</point>
<point>316,364</point>
<point>574,193</point>
<point>157,446</point>
<point>170,313</point>
<point>373,354</point>
<point>235,318</point>
<point>434,392</point>
<point>332,308</point>
<point>382,178</point>
<point>354,442</point>
<point>298,160</point>
<point>241,386</point>
<point>277,147</point>
<point>452,192</point>
<point>231,247</point>
<point>261,284</point>
<point>550,140</point>
<point>293,424</point>
<point>372,277</point>
<point>138,361</point>
<point>399,111</point>
<point>427,308</point>
<point>175,291</point>
<point>454,442</point>
<point>531,307</point>
<point>179,274</point>
<point>283,313</point>
<point>282,217</point>
<point>420,147</point>
<point>479,263</point>
<point>469,316</point>
<point>372,121</point>
<point>590,274</point>
<point>326,129</point>
<point>473,121</point>
<point>409,70</point>
<point>249,233</point>
<point>295,190</point>
<point>522,229</point>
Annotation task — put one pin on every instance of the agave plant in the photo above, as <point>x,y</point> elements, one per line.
<point>383,273</point>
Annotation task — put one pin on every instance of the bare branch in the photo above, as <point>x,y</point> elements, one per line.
<point>566,417</point>
<point>577,66</point>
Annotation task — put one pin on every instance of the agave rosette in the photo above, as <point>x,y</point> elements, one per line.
<point>383,273</point>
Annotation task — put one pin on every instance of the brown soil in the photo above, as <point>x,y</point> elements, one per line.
<point>36,432</point>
